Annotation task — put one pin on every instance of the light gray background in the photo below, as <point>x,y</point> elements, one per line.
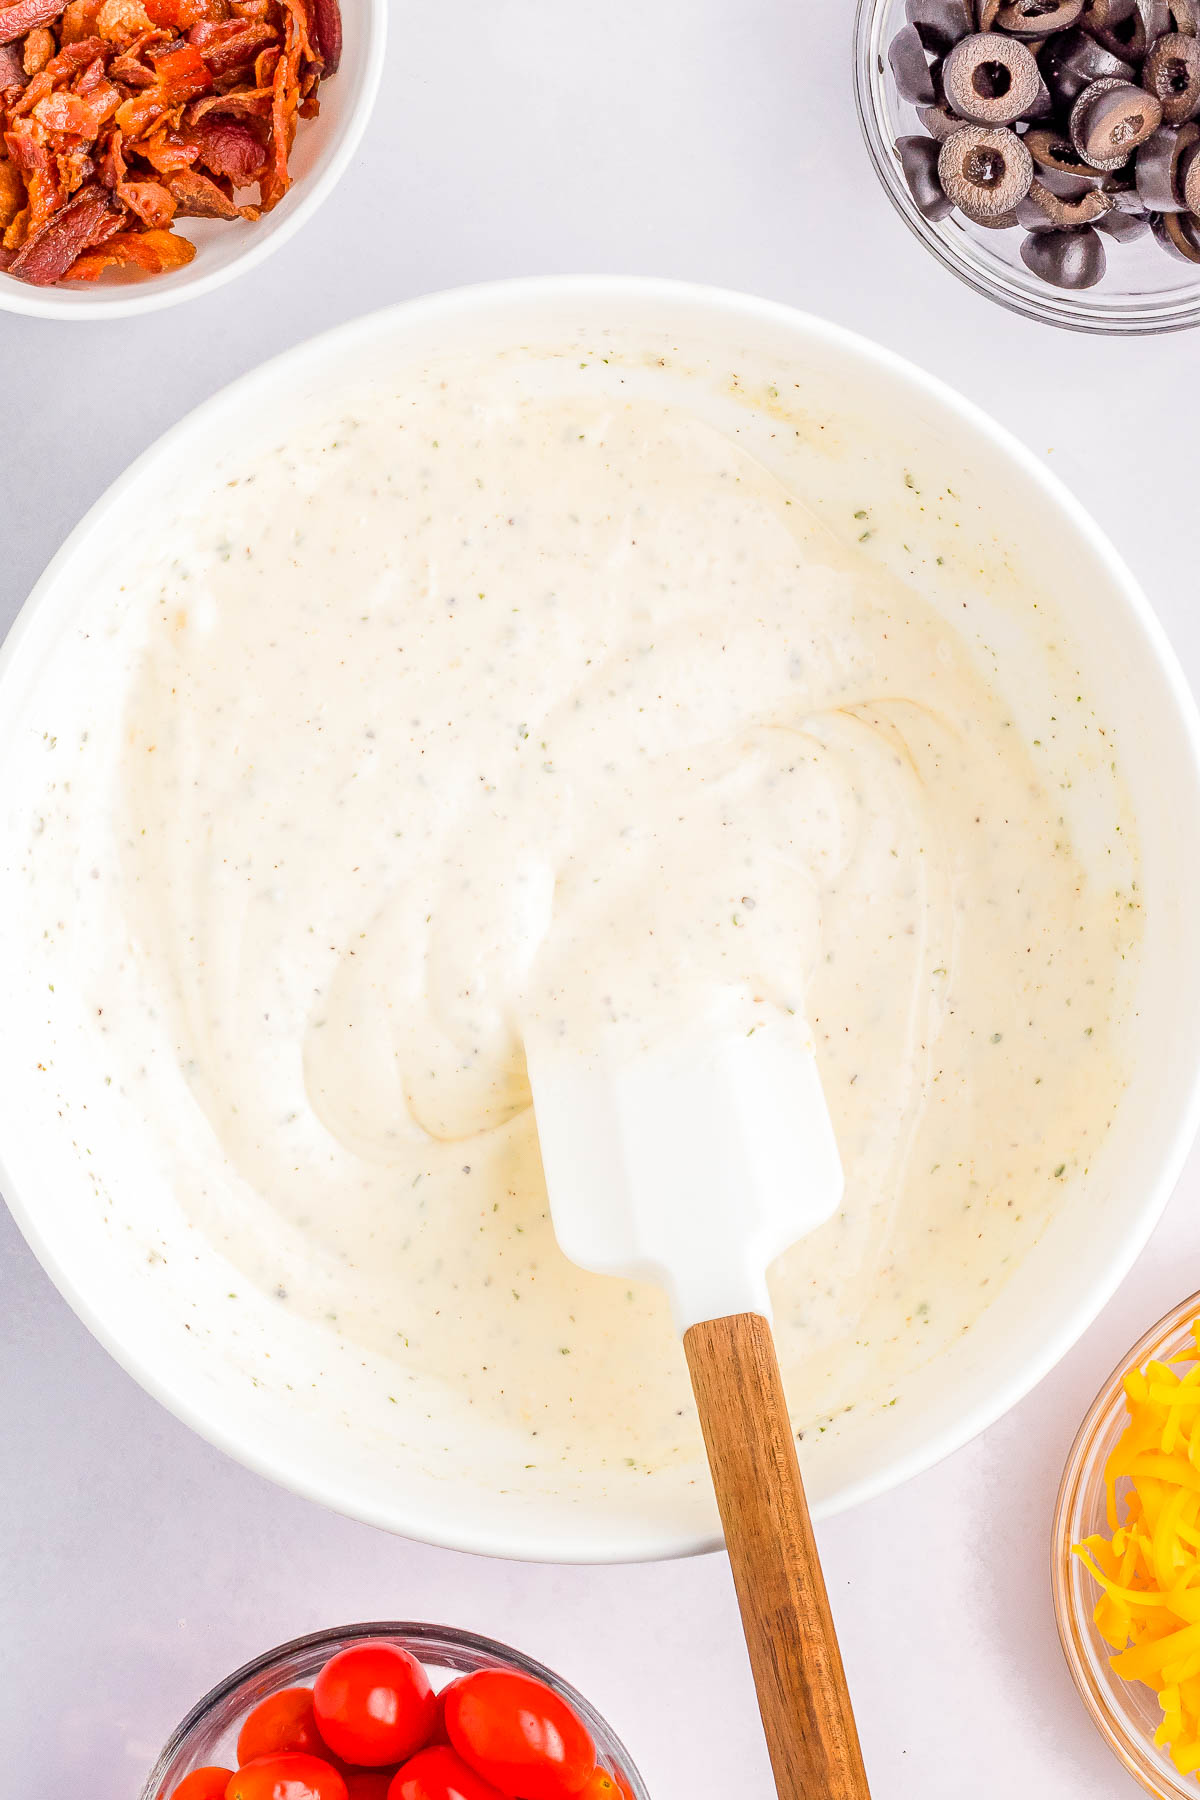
<point>713,140</point>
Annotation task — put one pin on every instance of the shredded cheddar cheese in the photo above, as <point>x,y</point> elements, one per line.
<point>1149,1568</point>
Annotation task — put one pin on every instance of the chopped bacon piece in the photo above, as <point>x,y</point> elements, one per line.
<point>79,21</point>
<point>285,102</point>
<point>85,221</point>
<point>12,193</point>
<point>297,12</point>
<point>233,45</point>
<point>27,15</point>
<point>64,67</point>
<point>149,201</point>
<point>74,168</point>
<point>327,29</point>
<point>130,70</point>
<point>36,162</point>
<point>181,15</point>
<point>12,67</point>
<point>78,115</point>
<point>182,71</point>
<point>199,197</point>
<point>120,21</point>
<point>167,152</point>
<point>39,49</point>
<point>243,103</point>
<point>149,252</point>
<point>16,233</point>
<point>229,147</point>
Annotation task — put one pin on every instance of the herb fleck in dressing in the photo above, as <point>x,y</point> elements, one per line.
<point>479,678</point>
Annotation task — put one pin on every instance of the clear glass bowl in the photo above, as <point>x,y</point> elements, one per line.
<point>1126,1713</point>
<point>1144,289</point>
<point>208,1735</point>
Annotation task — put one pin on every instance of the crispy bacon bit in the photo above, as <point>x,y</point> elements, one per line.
<point>40,46</point>
<point>228,147</point>
<point>197,196</point>
<point>149,252</point>
<point>166,152</point>
<point>86,220</point>
<point>78,115</point>
<point>118,117</point>
<point>181,15</point>
<point>149,201</point>
<point>120,21</point>
<point>12,193</point>
<point>27,15</point>
<point>79,21</point>
<point>327,29</point>
<point>40,170</point>
<point>243,103</point>
<point>181,70</point>
<point>233,45</point>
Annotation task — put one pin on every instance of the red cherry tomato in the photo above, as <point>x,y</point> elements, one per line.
<point>440,1733</point>
<point>203,1784</point>
<point>368,1784</point>
<point>438,1774</point>
<point>606,1784</point>
<point>291,1776</point>
<point>283,1721</point>
<point>374,1705</point>
<point>519,1735</point>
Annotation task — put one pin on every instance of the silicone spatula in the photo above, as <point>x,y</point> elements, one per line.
<point>693,1162</point>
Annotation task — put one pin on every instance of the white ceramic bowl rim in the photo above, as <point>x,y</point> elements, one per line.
<point>268,235</point>
<point>323,1485</point>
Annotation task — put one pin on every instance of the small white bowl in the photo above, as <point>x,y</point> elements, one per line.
<point>319,159</point>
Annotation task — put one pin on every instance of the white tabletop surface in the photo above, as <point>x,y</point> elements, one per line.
<point>694,138</point>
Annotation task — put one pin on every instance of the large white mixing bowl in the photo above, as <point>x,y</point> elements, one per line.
<point>281,1394</point>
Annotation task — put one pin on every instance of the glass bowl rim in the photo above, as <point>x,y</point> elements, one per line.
<point>1059,307</point>
<point>411,1632</point>
<point>1080,1468</point>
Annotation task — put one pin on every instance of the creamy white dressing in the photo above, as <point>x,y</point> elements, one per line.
<point>471,700</point>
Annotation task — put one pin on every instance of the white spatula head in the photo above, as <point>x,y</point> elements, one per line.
<point>694,1162</point>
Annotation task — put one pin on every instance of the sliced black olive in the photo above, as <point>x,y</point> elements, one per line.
<point>1131,36</point>
<point>940,23</point>
<point>1185,16</point>
<point>1070,187</point>
<point>1002,222</point>
<point>910,67</point>
<point>919,160</point>
<point>1110,119</point>
<point>1157,167</point>
<point>985,171</point>
<point>1051,150</point>
<point>1038,18</point>
<point>1171,72</point>
<point>1098,14</point>
<point>991,80</point>
<point>1124,226</point>
<point>1188,171</point>
<point>985,13</point>
<point>1065,259</point>
<point>1042,210</point>
<point>939,121</point>
<point>1074,60</point>
<point>1179,233</point>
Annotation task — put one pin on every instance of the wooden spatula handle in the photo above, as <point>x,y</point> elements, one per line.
<point>794,1652</point>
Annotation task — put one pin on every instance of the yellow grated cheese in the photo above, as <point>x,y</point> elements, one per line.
<point>1149,1565</point>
